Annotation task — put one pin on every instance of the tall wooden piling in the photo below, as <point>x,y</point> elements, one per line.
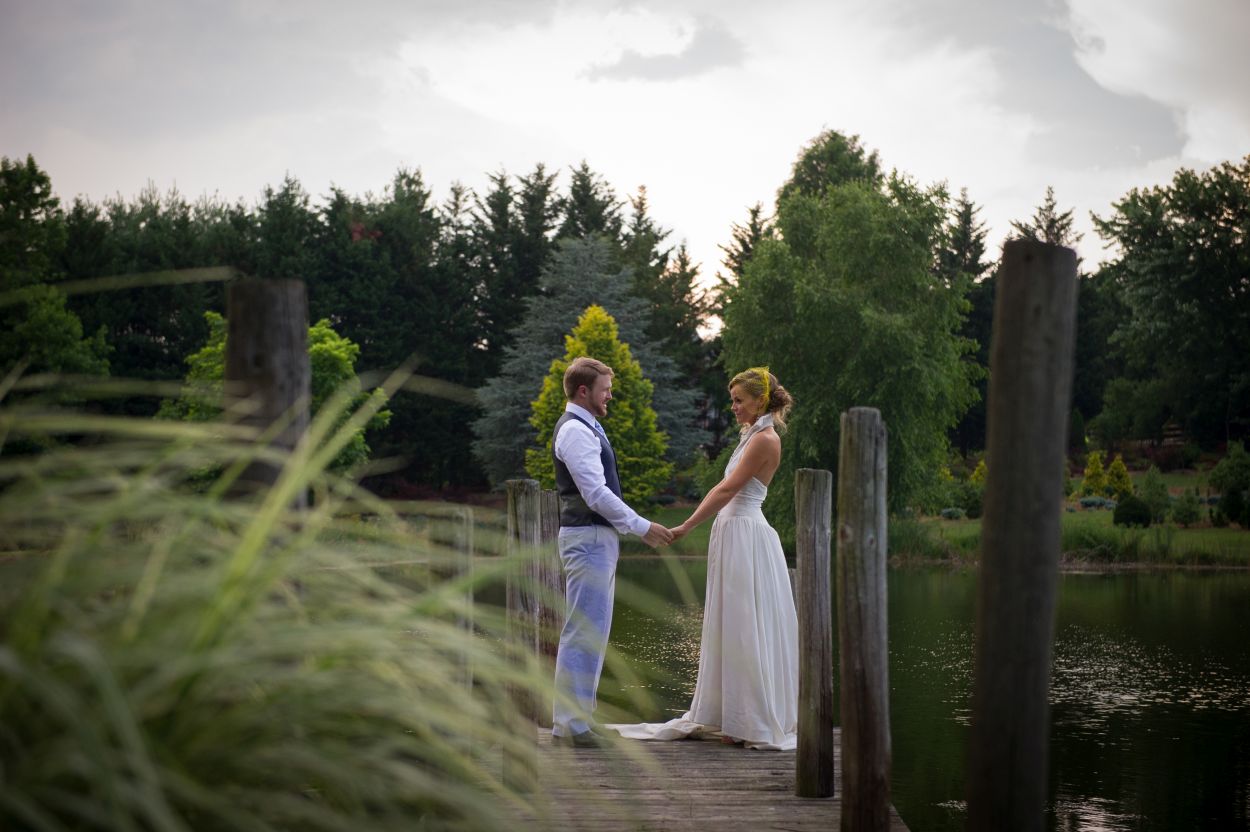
<point>1029,399</point>
<point>863,647</point>
<point>268,378</point>
<point>811,584</point>
<point>524,539</point>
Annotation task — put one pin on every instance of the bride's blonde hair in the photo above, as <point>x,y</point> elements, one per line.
<point>759,383</point>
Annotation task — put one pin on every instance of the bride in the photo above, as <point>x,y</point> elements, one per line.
<point>748,687</point>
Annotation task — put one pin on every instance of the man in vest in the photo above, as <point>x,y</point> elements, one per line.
<point>591,514</point>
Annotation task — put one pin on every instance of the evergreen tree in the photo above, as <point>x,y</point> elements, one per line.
<point>1118,481</point>
<point>1154,493</point>
<point>590,208</point>
<point>1048,224</point>
<point>738,253</point>
<point>961,262</point>
<point>1094,483</point>
<point>583,273</point>
<point>149,328</point>
<point>630,424</point>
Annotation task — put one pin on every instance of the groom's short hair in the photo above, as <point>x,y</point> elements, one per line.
<point>583,371</point>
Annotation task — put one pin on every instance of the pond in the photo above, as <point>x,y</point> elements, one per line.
<point>1150,692</point>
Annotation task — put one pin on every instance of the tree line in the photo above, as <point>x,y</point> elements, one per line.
<point>859,286</point>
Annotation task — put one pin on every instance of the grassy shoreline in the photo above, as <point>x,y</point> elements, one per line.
<point>1090,542</point>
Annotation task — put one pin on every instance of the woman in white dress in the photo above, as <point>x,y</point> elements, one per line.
<point>748,686</point>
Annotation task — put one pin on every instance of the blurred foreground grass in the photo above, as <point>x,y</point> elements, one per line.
<point>174,659</point>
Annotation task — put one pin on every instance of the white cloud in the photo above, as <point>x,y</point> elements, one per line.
<point>984,95</point>
<point>1191,56</point>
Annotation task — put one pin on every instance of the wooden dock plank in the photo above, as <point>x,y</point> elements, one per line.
<point>677,786</point>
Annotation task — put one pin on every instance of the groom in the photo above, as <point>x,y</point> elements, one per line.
<point>591,514</point>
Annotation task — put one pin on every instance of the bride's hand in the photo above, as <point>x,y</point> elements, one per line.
<point>679,532</point>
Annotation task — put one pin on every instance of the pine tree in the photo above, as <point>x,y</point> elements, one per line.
<point>630,424</point>
<point>1094,483</point>
<point>581,274</point>
<point>1048,225</point>
<point>961,261</point>
<point>738,253</point>
<point>1154,492</point>
<point>1118,481</point>
<point>590,208</point>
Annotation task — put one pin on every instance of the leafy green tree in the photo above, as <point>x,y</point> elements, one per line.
<point>1154,493</point>
<point>1181,273</point>
<point>845,307</point>
<point>332,359</point>
<point>38,331</point>
<point>630,424</point>
<point>583,273</point>
<point>1094,483</point>
<point>831,158</point>
<point>1118,481</point>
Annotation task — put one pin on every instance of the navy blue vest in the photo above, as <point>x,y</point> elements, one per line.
<point>573,508</point>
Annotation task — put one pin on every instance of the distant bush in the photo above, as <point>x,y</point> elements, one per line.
<point>1233,506</point>
<point>1132,511</point>
<point>1186,511</point>
<point>1095,502</point>
<point>953,513</point>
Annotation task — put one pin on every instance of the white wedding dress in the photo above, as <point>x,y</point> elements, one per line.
<point>748,686</point>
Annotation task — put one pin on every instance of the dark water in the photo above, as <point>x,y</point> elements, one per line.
<point>1150,694</point>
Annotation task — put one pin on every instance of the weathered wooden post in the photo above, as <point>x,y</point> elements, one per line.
<point>268,378</point>
<point>462,533</point>
<point>863,647</point>
<point>1029,400</point>
<point>550,589</point>
<point>524,538</point>
<point>813,507</point>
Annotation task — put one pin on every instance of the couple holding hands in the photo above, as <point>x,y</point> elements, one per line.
<point>747,690</point>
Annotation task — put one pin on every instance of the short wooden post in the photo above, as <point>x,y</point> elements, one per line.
<point>268,378</point>
<point>463,542</point>
<point>550,589</point>
<point>862,639</point>
<point>524,538</point>
<point>1029,399</point>
<point>811,583</point>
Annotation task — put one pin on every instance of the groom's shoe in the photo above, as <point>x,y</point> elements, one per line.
<point>586,739</point>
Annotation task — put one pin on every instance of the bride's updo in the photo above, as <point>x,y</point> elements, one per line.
<point>759,383</point>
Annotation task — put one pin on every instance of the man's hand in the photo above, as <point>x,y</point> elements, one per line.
<point>657,536</point>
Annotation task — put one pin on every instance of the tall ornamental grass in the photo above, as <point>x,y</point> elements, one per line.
<point>174,657</point>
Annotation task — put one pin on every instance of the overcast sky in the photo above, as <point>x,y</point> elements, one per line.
<point>706,102</point>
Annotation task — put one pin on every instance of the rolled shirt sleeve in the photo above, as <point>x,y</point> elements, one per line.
<point>577,446</point>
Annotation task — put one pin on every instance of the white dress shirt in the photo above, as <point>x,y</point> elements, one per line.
<point>577,446</point>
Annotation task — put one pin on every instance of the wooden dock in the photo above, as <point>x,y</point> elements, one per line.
<point>685,785</point>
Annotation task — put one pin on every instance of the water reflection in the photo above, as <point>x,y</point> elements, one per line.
<point>1150,694</point>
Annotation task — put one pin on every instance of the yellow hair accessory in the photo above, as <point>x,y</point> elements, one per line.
<point>763,371</point>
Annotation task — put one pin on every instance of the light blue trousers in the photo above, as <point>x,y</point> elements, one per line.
<point>589,555</point>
